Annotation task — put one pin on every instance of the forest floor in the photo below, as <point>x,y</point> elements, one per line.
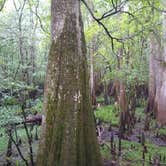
<point>130,152</point>
<point>156,147</point>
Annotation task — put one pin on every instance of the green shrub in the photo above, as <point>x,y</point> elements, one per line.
<point>9,115</point>
<point>107,114</point>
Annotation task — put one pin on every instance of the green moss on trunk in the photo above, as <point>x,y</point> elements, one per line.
<point>69,135</point>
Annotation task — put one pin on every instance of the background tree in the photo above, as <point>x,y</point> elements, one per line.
<point>157,84</point>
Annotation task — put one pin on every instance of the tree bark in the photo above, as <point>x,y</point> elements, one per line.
<point>157,79</point>
<point>68,135</point>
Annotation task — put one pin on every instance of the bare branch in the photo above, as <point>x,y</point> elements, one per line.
<point>116,9</point>
<point>2,5</point>
<point>37,15</point>
<point>104,27</point>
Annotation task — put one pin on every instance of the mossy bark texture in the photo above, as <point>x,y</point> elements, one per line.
<point>68,133</point>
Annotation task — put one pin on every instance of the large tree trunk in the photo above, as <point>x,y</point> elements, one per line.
<point>68,136</point>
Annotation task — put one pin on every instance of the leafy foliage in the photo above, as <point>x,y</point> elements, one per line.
<point>107,114</point>
<point>9,115</point>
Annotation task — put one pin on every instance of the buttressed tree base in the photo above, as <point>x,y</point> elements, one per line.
<point>68,133</point>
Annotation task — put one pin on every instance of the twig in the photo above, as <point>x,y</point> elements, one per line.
<point>2,5</point>
<point>98,20</point>
<point>18,149</point>
<point>28,136</point>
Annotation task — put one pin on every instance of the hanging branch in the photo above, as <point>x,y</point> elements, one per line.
<point>98,20</point>
<point>117,9</point>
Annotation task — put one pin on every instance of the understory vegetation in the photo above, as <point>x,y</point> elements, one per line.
<point>134,149</point>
